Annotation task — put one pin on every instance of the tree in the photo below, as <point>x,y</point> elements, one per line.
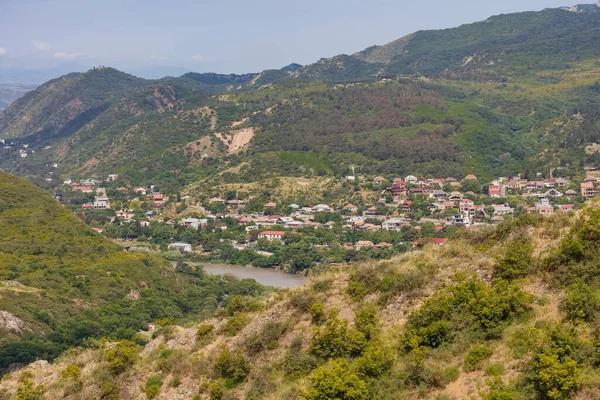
<point>336,381</point>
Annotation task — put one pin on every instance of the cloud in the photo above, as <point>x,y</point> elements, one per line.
<point>40,45</point>
<point>3,51</point>
<point>198,58</point>
<point>67,56</point>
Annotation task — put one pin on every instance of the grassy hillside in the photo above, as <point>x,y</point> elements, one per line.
<point>502,313</point>
<point>60,282</point>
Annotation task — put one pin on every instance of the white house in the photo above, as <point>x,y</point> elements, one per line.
<point>393,224</point>
<point>271,235</point>
<point>181,247</point>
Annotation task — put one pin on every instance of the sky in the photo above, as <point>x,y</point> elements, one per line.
<point>224,36</point>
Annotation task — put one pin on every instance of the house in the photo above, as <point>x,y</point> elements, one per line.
<point>194,223</point>
<point>271,235</point>
<point>99,230</point>
<point>122,215</point>
<point>283,220</point>
<point>270,205</point>
<point>82,189</point>
<point>393,224</point>
<point>398,188</point>
<point>371,212</point>
<point>378,179</point>
<point>407,206</point>
<point>112,177</point>
<point>157,198</point>
<point>571,193</point>
<point>588,190</point>
<point>294,224</point>
<point>465,205</point>
<point>144,223</point>
<point>544,207</point>
<point>101,203</point>
<point>438,241</point>
<point>363,243</point>
<point>330,224</point>
<point>566,207</point>
<point>553,193</point>
<point>383,245</point>
<point>87,205</point>
<point>410,179</point>
<point>470,178</point>
<point>236,203</point>
<point>455,196</point>
<point>502,209</point>
<point>322,208</point>
<point>561,182</point>
<point>101,191</point>
<point>140,190</point>
<point>351,208</point>
<point>495,191</point>
<point>181,247</point>
<point>458,219</point>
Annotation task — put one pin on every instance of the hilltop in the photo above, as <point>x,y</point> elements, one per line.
<point>501,313</point>
<point>61,282</point>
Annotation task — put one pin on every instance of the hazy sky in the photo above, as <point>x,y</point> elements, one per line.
<point>222,35</point>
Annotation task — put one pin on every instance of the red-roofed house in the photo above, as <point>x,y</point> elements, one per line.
<point>271,235</point>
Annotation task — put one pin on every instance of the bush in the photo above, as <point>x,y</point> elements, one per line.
<point>357,291</point>
<point>365,321</point>
<point>336,381</point>
<point>110,391</point>
<point>475,357</point>
<point>121,356</point>
<point>235,324</point>
<point>516,261</point>
<point>331,340</point>
<point>376,360</point>
<point>555,377</point>
<point>217,390</point>
<point>302,300</point>
<point>580,302</point>
<point>27,390</point>
<point>240,304</point>
<point>267,338</point>
<point>495,369</point>
<point>153,385</point>
<point>297,363</point>
<point>317,314</point>
<point>204,330</point>
<point>450,374</point>
<point>234,368</point>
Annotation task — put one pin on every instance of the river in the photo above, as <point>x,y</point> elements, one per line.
<point>264,276</point>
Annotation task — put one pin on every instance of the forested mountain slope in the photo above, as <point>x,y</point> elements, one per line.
<point>501,313</point>
<point>514,92</point>
<point>61,282</point>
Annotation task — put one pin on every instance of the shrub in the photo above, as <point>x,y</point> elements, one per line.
<point>317,314</point>
<point>516,261</point>
<point>27,390</point>
<point>204,330</point>
<point>357,291</point>
<point>232,367</point>
<point>331,340</point>
<point>302,300</point>
<point>495,369</point>
<point>450,374</point>
<point>153,385</point>
<point>498,390</point>
<point>110,391</point>
<point>121,356</point>
<point>240,304</point>
<point>235,324</point>
<point>365,320</point>
<point>217,389</point>
<point>476,355</point>
<point>580,302</point>
<point>554,376</point>
<point>376,360</point>
<point>336,381</point>
<point>266,338</point>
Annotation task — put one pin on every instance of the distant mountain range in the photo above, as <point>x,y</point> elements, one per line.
<point>486,97</point>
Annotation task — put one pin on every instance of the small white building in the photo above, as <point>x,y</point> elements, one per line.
<point>181,247</point>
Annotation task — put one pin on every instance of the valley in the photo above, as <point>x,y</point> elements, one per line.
<point>414,220</point>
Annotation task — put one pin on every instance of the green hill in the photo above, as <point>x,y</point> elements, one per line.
<point>61,282</point>
<point>491,98</point>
